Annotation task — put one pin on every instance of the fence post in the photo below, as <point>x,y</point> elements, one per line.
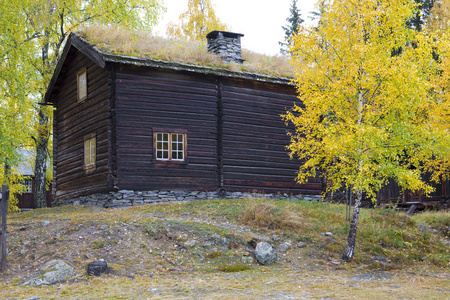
<point>4,212</point>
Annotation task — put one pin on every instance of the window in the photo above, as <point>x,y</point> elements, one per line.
<point>89,152</point>
<point>82,85</point>
<point>170,146</point>
<point>28,185</point>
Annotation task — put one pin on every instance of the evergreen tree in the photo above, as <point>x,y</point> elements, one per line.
<point>294,22</point>
<point>422,13</point>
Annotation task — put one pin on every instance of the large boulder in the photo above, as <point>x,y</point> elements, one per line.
<point>265,254</point>
<point>51,272</point>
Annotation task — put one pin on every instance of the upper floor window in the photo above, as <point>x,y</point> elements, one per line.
<point>170,146</point>
<point>82,85</point>
<point>89,152</point>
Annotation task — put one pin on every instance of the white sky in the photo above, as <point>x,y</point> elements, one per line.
<point>259,20</point>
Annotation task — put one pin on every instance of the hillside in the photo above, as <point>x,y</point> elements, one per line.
<point>205,249</point>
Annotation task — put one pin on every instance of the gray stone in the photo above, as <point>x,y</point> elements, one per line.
<point>274,238</point>
<point>247,259</point>
<point>53,271</point>
<point>265,254</point>
<point>34,297</point>
<point>302,244</point>
<point>284,247</point>
<point>380,258</point>
<point>45,223</point>
<point>126,192</point>
<point>326,234</point>
<point>190,243</point>
<point>104,227</point>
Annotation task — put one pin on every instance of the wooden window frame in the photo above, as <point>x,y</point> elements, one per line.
<point>91,166</point>
<point>79,74</point>
<point>169,161</point>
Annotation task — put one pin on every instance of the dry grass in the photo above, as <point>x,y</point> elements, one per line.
<point>268,215</point>
<point>143,44</point>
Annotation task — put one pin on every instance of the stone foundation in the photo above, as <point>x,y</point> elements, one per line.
<point>127,198</point>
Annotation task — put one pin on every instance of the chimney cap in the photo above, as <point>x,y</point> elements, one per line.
<point>213,34</point>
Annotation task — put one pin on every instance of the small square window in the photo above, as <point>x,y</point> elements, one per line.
<point>82,85</point>
<point>89,152</point>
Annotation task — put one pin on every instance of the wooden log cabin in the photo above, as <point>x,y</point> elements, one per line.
<point>138,123</point>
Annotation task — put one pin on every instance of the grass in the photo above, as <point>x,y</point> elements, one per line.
<point>412,246</point>
<point>143,44</point>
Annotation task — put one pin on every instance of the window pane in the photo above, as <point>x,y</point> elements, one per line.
<point>82,86</point>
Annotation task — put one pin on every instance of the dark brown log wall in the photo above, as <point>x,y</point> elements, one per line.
<point>255,140</point>
<point>72,122</point>
<point>147,99</point>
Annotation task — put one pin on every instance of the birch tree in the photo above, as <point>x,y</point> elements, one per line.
<point>32,34</point>
<point>199,19</point>
<point>369,112</point>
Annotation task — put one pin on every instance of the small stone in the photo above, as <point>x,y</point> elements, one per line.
<point>89,256</point>
<point>326,234</point>
<point>45,223</point>
<point>207,244</point>
<point>302,244</point>
<point>274,238</point>
<point>34,298</point>
<point>284,247</point>
<point>247,259</point>
<point>246,253</point>
<point>380,258</point>
<point>104,227</point>
<point>190,243</point>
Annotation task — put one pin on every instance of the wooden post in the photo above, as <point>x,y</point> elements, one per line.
<point>4,212</point>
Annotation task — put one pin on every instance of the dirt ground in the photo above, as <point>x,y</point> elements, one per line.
<point>157,255</point>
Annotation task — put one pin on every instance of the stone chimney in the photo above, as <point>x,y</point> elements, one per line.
<point>225,44</point>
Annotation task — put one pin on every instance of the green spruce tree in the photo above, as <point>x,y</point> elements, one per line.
<point>294,22</point>
<point>421,14</point>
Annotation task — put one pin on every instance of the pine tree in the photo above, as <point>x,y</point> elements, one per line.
<point>294,22</point>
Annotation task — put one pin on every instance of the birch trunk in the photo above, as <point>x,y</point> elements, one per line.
<point>40,168</point>
<point>351,241</point>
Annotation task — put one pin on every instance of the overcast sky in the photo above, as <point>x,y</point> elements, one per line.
<point>259,20</point>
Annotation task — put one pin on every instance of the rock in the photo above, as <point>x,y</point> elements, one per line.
<point>190,243</point>
<point>265,254</point>
<point>274,238</point>
<point>34,298</point>
<point>284,247</point>
<point>104,227</point>
<point>53,271</point>
<point>207,244</point>
<point>302,244</point>
<point>45,223</point>
<point>97,268</point>
<point>247,259</point>
<point>380,258</point>
<point>326,234</point>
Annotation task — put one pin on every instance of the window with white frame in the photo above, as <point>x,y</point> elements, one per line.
<point>170,146</point>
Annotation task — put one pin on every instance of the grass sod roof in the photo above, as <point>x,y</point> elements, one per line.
<point>140,47</point>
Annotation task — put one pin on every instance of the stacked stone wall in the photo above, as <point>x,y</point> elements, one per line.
<point>127,198</point>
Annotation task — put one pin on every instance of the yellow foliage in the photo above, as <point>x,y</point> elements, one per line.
<point>375,98</point>
<point>196,22</point>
